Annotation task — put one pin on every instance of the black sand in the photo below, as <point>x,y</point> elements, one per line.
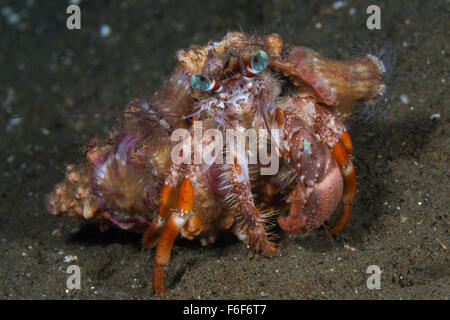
<point>400,220</point>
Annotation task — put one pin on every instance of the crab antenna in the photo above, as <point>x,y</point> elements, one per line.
<point>192,114</point>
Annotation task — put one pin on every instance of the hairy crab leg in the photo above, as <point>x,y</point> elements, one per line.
<point>241,193</point>
<point>342,153</point>
<point>185,203</point>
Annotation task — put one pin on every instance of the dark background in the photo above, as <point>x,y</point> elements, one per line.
<point>400,220</point>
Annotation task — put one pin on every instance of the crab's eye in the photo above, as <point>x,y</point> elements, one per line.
<point>260,60</point>
<point>200,82</point>
<point>258,63</point>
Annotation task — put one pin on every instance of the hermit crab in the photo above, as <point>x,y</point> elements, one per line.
<point>296,98</point>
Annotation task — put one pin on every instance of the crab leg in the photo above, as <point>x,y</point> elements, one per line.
<point>342,153</point>
<point>168,202</point>
<point>252,218</point>
<point>185,203</point>
<point>347,142</point>
<point>241,193</point>
<point>169,191</point>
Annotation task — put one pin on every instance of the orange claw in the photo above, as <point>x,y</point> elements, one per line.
<point>185,203</point>
<point>341,152</point>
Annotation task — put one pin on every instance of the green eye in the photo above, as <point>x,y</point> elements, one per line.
<point>260,60</point>
<point>200,82</point>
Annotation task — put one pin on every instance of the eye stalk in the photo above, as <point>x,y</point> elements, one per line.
<point>259,62</point>
<point>203,82</point>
